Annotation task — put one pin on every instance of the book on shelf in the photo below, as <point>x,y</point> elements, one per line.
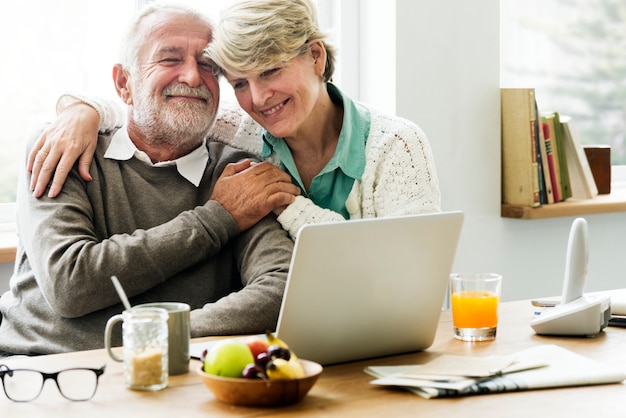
<point>556,129</point>
<point>545,169</point>
<point>563,160</point>
<point>581,178</point>
<point>552,160</point>
<point>545,185</point>
<point>520,170</point>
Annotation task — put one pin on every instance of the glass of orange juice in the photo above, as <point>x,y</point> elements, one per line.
<point>475,298</point>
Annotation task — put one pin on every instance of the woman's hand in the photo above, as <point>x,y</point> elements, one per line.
<point>72,136</point>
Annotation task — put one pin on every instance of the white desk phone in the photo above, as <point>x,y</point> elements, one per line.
<point>577,313</point>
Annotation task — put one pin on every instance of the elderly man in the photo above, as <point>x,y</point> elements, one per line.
<point>174,217</point>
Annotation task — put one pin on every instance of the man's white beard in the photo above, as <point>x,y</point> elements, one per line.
<point>179,123</point>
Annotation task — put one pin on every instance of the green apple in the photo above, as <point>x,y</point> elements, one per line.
<point>228,358</point>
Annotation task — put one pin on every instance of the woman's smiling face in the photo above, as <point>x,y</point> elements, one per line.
<point>282,99</point>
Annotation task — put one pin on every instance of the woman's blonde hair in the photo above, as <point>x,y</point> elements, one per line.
<point>256,35</point>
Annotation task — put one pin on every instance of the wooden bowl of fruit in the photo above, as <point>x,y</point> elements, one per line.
<point>257,372</point>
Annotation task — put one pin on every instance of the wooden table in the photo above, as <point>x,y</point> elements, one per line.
<point>344,390</point>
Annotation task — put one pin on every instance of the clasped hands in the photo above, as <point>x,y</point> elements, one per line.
<point>249,191</point>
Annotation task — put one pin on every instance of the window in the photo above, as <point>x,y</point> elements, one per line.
<point>64,46</point>
<point>572,53</point>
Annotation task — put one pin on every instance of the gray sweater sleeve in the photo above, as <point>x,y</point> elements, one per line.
<point>64,248</point>
<point>264,255</point>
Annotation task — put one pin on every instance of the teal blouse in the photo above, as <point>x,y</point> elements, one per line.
<point>331,187</point>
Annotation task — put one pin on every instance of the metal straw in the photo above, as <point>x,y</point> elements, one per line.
<point>120,291</point>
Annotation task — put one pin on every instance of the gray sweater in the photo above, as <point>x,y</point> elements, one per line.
<point>163,239</point>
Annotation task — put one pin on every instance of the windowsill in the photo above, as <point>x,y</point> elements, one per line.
<point>607,203</point>
<point>8,243</point>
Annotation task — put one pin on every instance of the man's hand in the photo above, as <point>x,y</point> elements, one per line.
<point>73,134</point>
<point>250,191</point>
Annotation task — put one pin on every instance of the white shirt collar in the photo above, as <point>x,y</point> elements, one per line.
<point>190,166</point>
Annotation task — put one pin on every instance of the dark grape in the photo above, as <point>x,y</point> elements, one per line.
<point>251,371</point>
<point>276,351</point>
<point>262,359</point>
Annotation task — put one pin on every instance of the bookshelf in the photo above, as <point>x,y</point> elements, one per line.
<point>545,170</point>
<point>605,203</point>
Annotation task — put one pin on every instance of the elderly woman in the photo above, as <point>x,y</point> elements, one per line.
<point>349,160</point>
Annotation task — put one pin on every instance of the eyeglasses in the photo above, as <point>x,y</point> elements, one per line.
<point>25,385</point>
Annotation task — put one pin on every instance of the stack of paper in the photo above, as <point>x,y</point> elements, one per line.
<point>541,367</point>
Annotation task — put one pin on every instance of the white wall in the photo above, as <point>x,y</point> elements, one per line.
<point>447,81</point>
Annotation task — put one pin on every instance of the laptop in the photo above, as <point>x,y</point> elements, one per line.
<point>366,288</point>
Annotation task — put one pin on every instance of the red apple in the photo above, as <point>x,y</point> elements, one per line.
<point>256,345</point>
